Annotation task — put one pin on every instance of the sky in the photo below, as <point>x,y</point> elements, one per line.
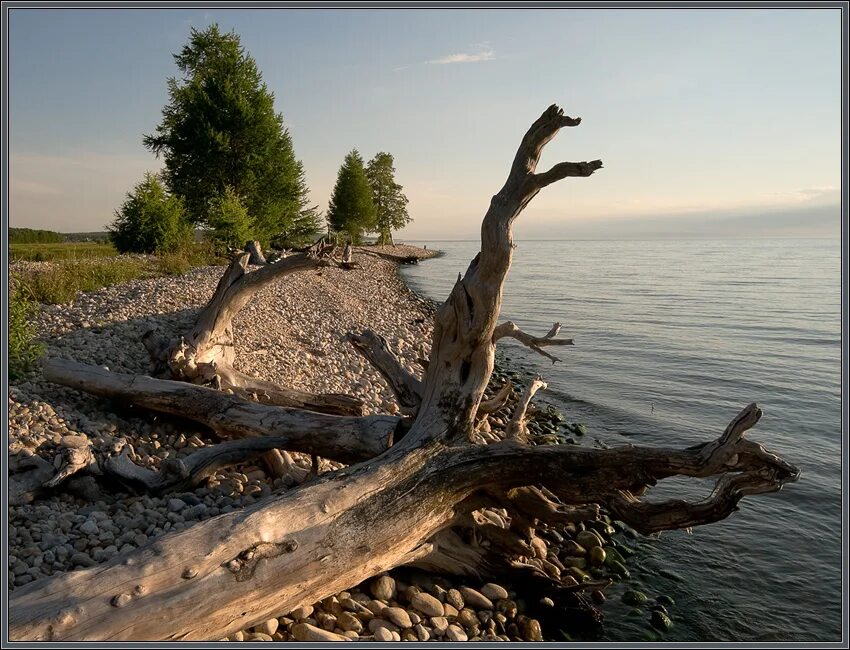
<point>709,122</point>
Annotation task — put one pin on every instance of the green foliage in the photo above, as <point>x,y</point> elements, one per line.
<point>390,203</point>
<point>228,218</point>
<point>24,350</point>
<point>150,220</point>
<point>219,129</point>
<point>351,209</point>
<point>30,236</point>
<point>64,251</point>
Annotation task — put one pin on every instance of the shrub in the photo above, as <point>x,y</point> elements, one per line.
<point>151,220</point>
<point>24,350</point>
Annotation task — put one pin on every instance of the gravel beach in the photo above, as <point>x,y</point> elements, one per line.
<point>291,333</point>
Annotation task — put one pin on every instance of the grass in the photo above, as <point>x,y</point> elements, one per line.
<point>39,252</point>
<point>24,350</point>
<point>59,283</point>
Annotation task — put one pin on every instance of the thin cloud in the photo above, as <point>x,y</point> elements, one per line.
<point>483,54</point>
<point>477,52</point>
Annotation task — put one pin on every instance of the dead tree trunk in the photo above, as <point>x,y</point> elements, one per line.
<point>404,505</point>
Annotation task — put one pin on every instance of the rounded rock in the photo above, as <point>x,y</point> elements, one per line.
<point>383,634</point>
<point>383,588</point>
<point>633,597</point>
<point>475,599</point>
<point>397,616</point>
<point>427,604</point>
<point>455,633</point>
<point>494,591</point>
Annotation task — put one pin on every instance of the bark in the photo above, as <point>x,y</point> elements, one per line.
<point>412,503</point>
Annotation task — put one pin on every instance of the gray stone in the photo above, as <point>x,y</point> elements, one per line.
<point>176,505</point>
<point>90,527</point>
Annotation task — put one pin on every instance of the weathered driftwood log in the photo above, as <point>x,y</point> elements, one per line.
<point>206,353</point>
<point>408,505</point>
<point>344,438</point>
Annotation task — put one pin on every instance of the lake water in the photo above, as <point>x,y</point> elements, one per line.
<point>672,339</point>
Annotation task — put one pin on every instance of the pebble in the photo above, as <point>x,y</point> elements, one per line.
<point>398,616</point>
<point>440,624</point>
<point>455,633</point>
<point>383,588</point>
<point>454,599</point>
<point>494,591</point>
<point>383,634</point>
<point>347,621</point>
<point>268,627</point>
<point>307,632</point>
<point>475,599</point>
<point>427,604</point>
<point>301,613</point>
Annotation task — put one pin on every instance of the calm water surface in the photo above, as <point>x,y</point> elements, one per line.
<point>673,338</point>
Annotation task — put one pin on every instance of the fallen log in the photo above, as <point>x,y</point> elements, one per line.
<point>410,503</point>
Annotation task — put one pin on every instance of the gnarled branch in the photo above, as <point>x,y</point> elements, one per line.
<point>533,342</point>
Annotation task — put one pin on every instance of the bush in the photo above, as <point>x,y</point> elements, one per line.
<point>229,221</point>
<point>151,220</point>
<point>24,350</point>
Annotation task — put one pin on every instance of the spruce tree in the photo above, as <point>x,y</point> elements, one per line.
<point>219,129</point>
<point>351,209</point>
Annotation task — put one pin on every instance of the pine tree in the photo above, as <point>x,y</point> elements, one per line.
<point>219,129</point>
<point>390,203</point>
<point>351,209</point>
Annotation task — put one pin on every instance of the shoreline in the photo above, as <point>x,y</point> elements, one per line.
<point>290,334</point>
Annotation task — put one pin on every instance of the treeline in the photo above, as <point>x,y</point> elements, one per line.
<point>30,236</point>
<point>230,168</point>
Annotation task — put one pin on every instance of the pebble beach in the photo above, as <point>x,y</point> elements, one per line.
<point>291,333</point>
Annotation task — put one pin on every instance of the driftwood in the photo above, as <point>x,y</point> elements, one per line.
<point>412,503</point>
<point>206,353</point>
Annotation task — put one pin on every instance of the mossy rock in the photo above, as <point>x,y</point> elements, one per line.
<point>660,620</point>
<point>597,556</point>
<point>635,612</point>
<point>589,539</point>
<point>620,569</point>
<point>665,600</point>
<point>612,555</point>
<point>634,597</point>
